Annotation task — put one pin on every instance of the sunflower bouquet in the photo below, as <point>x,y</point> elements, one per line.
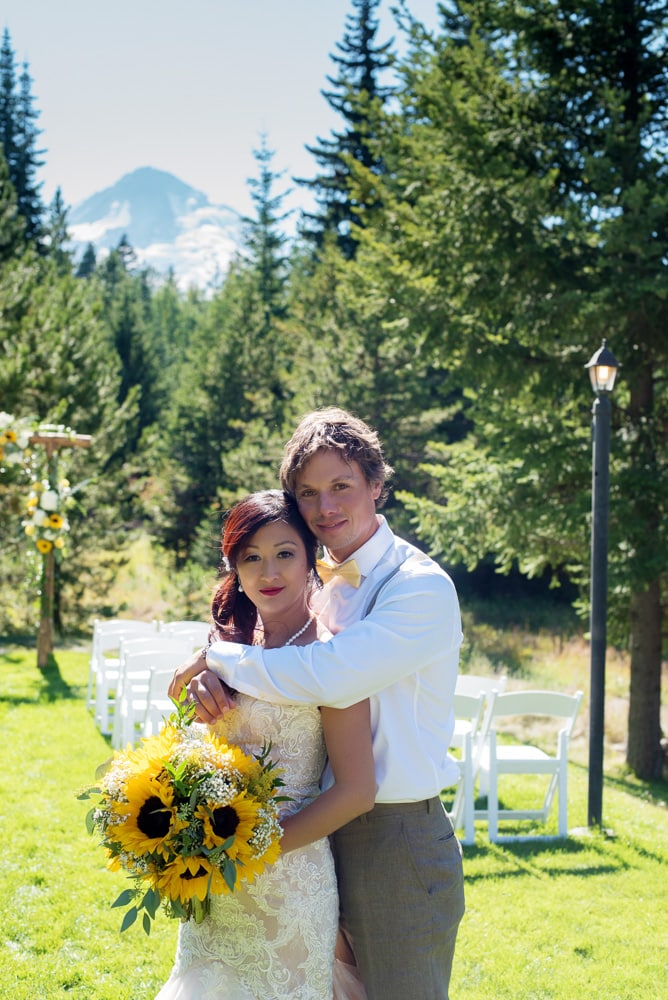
<point>187,817</point>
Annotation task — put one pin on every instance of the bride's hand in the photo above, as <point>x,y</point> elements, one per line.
<point>211,696</point>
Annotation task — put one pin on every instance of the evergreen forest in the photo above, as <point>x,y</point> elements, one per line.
<point>493,206</point>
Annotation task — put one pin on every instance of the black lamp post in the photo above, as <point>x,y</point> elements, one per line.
<point>602,371</point>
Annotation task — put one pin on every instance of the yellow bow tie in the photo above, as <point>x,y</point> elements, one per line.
<point>348,571</point>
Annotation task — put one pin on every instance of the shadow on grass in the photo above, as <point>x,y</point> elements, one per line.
<point>583,853</point>
<point>547,859</point>
<point>48,683</point>
<point>538,848</point>
<point>55,687</point>
<point>655,792</point>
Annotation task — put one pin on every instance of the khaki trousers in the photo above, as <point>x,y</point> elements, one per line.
<point>401,890</point>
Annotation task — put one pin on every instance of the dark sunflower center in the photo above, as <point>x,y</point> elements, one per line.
<point>188,876</point>
<point>224,821</point>
<point>153,818</point>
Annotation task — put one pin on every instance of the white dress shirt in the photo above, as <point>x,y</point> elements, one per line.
<point>403,656</point>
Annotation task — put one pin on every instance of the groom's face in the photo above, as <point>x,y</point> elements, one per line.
<point>337,502</point>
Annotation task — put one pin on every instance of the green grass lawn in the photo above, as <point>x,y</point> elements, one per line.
<point>581,918</point>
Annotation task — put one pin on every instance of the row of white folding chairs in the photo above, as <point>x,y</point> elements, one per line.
<point>158,705</point>
<point>104,666</point>
<point>484,756</point>
<point>104,673</point>
<point>141,659</point>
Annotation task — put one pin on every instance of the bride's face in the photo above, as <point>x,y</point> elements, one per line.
<point>273,570</point>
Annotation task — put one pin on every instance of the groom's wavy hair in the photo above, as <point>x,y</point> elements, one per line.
<point>234,614</point>
<point>334,429</point>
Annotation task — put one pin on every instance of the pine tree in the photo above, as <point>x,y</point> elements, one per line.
<point>28,160</point>
<point>57,363</point>
<point>264,241</point>
<point>127,313</point>
<point>18,135</point>
<point>12,227</point>
<point>88,262</point>
<point>357,95</point>
<point>56,235</point>
<point>8,102</point>
<point>535,225</point>
<point>225,425</point>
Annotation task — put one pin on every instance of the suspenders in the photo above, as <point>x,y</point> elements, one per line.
<point>374,597</point>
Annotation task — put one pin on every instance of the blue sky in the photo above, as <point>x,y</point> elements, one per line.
<point>186,86</point>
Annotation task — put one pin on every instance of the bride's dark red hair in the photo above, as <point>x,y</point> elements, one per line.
<point>234,615</point>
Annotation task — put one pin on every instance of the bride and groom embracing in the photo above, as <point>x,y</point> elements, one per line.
<point>349,665</point>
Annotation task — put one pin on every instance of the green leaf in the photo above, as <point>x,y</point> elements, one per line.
<point>86,793</point>
<point>90,823</point>
<point>151,902</point>
<point>102,769</point>
<point>125,897</point>
<point>178,909</point>
<point>129,918</point>
<point>230,874</point>
<point>147,924</point>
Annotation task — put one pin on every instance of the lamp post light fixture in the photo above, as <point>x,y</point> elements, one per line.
<point>602,372</point>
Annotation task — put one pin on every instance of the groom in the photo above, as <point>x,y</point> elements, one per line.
<point>397,632</point>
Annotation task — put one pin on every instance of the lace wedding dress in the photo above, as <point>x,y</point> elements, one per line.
<point>273,939</point>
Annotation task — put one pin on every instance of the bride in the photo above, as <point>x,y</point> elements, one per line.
<point>278,938</point>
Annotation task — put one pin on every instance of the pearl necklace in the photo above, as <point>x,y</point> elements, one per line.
<point>300,631</point>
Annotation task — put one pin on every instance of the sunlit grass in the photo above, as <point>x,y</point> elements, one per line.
<point>561,920</point>
<point>60,937</point>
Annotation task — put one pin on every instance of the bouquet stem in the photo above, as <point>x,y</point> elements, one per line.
<point>200,908</point>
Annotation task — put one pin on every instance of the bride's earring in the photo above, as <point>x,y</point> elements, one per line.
<point>239,587</point>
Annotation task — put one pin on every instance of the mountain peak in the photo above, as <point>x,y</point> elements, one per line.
<point>170,225</point>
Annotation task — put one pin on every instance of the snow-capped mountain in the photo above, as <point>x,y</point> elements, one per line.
<point>167,223</point>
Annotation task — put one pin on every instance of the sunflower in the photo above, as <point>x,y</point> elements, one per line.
<point>10,437</point>
<point>55,521</point>
<point>185,878</point>
<point>43,545</point>
<point>149,816</point>
<point>238,820</point>
<point>151,753</point>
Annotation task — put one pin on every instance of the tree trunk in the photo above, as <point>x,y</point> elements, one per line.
<point>643,752</point>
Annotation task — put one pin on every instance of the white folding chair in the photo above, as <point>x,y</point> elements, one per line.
<point>196,632</point>
<point>104,662</point>
<point>468,711</point>
<point>513,756</point>
<point>158,703</point>
<point>139,657</point>
<point>472,693</point>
